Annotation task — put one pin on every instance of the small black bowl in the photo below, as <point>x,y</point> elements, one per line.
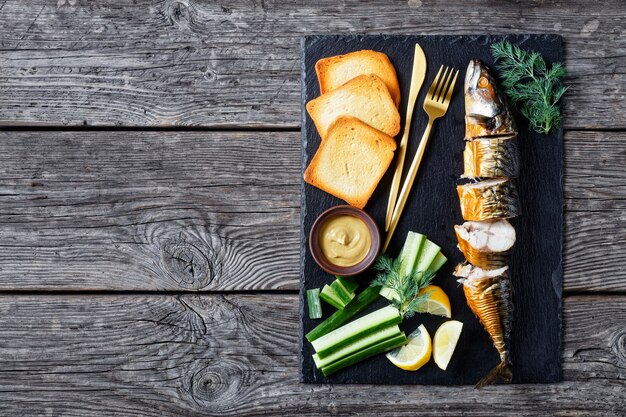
<point>316,250</point>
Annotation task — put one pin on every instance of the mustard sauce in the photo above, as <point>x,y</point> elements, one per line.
<point>345,240</point>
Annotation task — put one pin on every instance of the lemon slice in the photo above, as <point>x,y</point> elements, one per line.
<point>415,353</point>
<point>437,303</point>
<point>446,337</point>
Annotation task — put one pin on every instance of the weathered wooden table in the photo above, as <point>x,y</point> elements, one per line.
<point>149,207</point>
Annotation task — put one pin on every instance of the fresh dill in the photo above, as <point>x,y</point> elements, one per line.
<point>406,287</point>
<point>533,88</point>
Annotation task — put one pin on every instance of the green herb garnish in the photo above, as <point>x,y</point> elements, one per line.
<point>407,287</point>
<point>533,88</point>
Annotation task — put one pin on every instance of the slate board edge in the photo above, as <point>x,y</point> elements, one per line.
<point>558,272</point>
<point>303,159</point>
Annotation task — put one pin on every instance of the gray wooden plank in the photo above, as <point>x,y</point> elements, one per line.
<point>595,169</point>
<point>237,356</point>
<point>221,210</point>
<point>595,242</point>
<point>148,210</point>
<point>595,216</point>
<point>236,63</point>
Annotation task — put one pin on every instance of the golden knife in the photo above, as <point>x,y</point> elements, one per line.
<point>417,78</point>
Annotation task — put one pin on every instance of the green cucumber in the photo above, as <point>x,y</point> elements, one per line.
<point>388,293</point>
<point>366,353</point>
<point>355,330</point>
<point>313,301</point>
<point>344,296</point>
<point>339,293</point>
<point>338,318</point>
<point>410,252</point>
<point>409,256</point>
<point>427,255</point>
<point>349,283</point>
<point>437,263</point>
<point>328,295</point>
<point>367,341</point>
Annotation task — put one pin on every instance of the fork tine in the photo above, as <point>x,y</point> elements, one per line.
<point>450,88</point>
<point>431,90</point>
<point>442,83</point>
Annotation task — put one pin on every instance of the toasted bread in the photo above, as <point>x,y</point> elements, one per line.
<point>351,161</point>
<point>335,71</point>
<point>365,97</point>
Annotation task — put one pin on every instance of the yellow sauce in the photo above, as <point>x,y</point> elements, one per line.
<point>345,240</point>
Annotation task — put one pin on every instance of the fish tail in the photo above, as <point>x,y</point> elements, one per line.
<point>503,370</point>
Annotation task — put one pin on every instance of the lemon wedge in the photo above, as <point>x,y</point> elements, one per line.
<point>415,353</point>
<point>437,302</point>
<point>446,337</point>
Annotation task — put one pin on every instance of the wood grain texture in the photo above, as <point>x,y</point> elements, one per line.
<point>236,63</point>
<point>236,356</point>
<point>153,211</point>
<point>148,211</point>
<point>142,210</point>
<point>595,216</point>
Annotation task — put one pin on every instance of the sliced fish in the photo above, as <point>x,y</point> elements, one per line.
<point>489,296</point>
<point>491,158</point>
<point>486,244</point>
<point>489,199</point>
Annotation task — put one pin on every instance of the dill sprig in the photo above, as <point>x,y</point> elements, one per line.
<point>407,287</point>
<point>533,88</point>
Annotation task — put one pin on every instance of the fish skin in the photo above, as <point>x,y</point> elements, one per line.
<point>487,112</point>
<point>491,158</point>
<point>499,201</point>
<point>491,299</point>
<point>483,257</point>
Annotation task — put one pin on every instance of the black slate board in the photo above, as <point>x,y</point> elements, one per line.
<point>433,209</point>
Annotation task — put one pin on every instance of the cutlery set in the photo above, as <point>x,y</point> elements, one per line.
<point>436,105</point>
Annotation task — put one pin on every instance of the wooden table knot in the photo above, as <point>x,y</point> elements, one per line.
<point>619,348</point>
<point>187,264</point>
<point>209,74</point>
<point>179,13</point>
<point>220,382</point>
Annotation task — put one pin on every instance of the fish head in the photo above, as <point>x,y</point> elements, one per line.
<point>481,98</point>
<point>486,110</point>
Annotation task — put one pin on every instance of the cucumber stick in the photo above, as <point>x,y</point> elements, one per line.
<point>388,293</point>
<point>328,294</point>
<point>355,330</point>
<point>350,284</point>
<point>409,256</point>
<point>313,301</point>
<point>427,256</point>
<point>411,252</point>
<point>339,293</point>
<point>344,295</point>
<point>373,350</point>
<point>338,318</point>
<point>367,341</point>
<point>437,263</point>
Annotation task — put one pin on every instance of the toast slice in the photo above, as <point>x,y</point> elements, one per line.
<point>365,97</point>
<point>335,71</point>
<point>351,161</point>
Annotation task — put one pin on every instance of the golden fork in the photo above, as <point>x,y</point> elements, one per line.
<point>435,105</point>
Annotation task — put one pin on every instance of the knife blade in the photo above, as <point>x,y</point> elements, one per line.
<point>417,79</point>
